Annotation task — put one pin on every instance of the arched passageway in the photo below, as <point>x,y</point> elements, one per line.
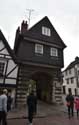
<point>43,85</point>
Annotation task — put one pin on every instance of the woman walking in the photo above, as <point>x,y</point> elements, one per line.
<point>77,105</point>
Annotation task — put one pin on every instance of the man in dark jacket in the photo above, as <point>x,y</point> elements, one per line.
<point>70,104</point>
<point>32,104</point>
<point>9,102</point>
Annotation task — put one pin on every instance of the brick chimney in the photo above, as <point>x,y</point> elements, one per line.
<point>24,26</point>
<point>76,58</point>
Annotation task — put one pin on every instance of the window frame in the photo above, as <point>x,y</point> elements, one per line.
<point>38,50</point>
<point>53,52</point>
<point>72,80</point>
<point>67,80</point>
<point>46,31</point>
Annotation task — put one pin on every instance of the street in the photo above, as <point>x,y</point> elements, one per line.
<point>46,115</point>
<point>50,120</point>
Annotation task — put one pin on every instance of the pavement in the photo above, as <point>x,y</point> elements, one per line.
<point>43,110</point>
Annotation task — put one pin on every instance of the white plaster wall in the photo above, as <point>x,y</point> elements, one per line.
<point>70,85</point>
<point>1,80</point>
<point>11,65</point>
<point>64,81</point>
<point>4,51</point>
<point>1,44</point>
<point>10,81</point>
<point>68,74</point>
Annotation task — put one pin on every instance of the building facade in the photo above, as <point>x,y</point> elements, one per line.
<point>71,78</point>
<point>8,67</point>
<point>39,52</point>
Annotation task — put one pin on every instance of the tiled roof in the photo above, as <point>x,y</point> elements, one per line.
<point>72,64</point>
<point>35,33</point>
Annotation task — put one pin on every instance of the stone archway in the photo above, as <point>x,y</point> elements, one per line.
<point>43,85</point>
<point>48,86</point>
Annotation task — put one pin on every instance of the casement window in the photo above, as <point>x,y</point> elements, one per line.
<point>1,68</point>
<point>53,52</point>
<point>39,48</point>
<point>46,31</point>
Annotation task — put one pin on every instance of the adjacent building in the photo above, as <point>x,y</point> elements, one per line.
<point>39,52</point>
<point>71,77</point>
<point>8,67</point>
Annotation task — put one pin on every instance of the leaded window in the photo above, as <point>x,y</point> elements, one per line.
<point>46,31</point>
<point>39,48</point>
<point>53,51</point>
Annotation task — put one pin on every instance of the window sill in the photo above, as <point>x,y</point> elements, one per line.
<point>38,54</point>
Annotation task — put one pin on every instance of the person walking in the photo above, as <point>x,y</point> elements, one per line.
<point>70,104</point>
<point>9,102</point>
<point>32,104</point>
<point>76,101</point>
<point>3,107</point>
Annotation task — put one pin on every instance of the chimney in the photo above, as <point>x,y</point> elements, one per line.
<point>24,26</point>
<point>76,58</point>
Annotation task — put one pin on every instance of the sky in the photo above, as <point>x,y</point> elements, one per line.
<point>63,14</point>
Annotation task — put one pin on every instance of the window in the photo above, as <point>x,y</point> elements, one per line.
<point>1,68</point>
<point>78,72</point>
<point>75,91</point>
<point>67,81</point>
<point>69,71</point>
<point>66,72</point>
<point>77,65</point>
<point>39,48</point>
<point>72,80</point>
<point>46,31</point>
<point>69,90</point>
<point>53,52</point>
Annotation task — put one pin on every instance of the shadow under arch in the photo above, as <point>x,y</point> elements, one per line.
<point>43,85</point>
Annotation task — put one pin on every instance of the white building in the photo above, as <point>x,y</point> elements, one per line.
<point>8,67</point>
<point>71,77</point>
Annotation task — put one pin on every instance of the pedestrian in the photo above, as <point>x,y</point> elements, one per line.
<point>3,107</point>
<point>9,101</point>
<point>76,101</point>
<point>70,104</point>
<point>32,104</point>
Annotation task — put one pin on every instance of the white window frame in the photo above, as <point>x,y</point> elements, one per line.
<point>53,51</point>
<point>46,31</point>
<point>39,48</point>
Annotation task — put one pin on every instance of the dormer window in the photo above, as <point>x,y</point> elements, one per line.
<point>39,48</point>
<point>46,31</point>
<point>53,51</point>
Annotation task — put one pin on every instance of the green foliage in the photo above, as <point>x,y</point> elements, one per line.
<point>31,85</point>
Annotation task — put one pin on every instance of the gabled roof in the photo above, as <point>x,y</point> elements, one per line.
<point>35,33</point>
<point>7,45</point>
<point>72,64</point>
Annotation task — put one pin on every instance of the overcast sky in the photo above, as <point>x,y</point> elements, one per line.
<point>64,15</point>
